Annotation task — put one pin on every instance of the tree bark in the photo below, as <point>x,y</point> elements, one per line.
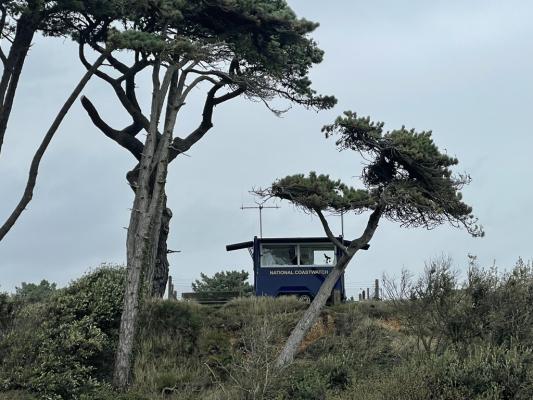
<point>161,263</point>
<point>24,33</point>
<point>313,311</point>
<point>34,167</point>
<point>145,222</point>
<point>311,314</point>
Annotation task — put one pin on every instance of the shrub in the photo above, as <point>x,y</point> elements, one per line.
<point>175,319</point>
<point>303,381</point>
<point>61,348</point>
<point>16,395</point>
<point>480,373</point>
<point>168,348</point>
<point>6,313</point>
<point>33,293</point>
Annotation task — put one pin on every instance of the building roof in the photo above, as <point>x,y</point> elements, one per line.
<point>245,245</point>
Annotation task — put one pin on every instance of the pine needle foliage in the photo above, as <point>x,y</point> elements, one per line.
<point>406,175</point>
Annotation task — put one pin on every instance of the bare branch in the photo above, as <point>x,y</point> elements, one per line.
<point>220,74</point>
<point>34,168</point>
<point>87,65</point>
<point>3,58</point>
<point>125,138</point>
<point>328,231</point>
<point>193,84</point>
<point>180,145</point>
<point>368,233</point>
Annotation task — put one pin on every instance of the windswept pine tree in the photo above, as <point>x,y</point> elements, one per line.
<point>407,180</point>
<point>259,50</point>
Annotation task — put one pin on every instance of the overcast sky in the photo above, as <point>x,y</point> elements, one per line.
<point>461,69</point>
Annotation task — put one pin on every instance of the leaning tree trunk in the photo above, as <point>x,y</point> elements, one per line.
<point>312,313</point>
<point>36,161</point>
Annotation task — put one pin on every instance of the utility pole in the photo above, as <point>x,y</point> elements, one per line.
<point>259,207</point>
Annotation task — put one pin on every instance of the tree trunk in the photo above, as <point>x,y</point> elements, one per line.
<point>312,313</point>
<point>161,267</point>
<point>145,222</point>
<point>12,69</point>
<point>161,263</point>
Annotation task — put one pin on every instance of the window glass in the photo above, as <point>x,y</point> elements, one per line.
<point>317,255</point>
<point>279,255</point>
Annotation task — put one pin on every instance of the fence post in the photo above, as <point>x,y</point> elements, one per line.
<point>376,290</point>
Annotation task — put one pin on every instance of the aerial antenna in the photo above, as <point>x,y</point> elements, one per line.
<point>259,206</point>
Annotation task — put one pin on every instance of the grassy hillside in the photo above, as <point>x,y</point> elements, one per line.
<point>446,341</point>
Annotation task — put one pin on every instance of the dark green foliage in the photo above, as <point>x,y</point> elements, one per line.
<point>483,372</point>
<point>320,192</point>
<point>488,308</point>
<point>407,177</point>
<point>33,293</point>
<point>169,318</point>
<point>61,347</point>
<point>268,44</point>
<point>7,310</point>
<point>16,395</point>
<point>304,382</point>
<point>365,350</point>
<point>215,348</point>
<point>225,281</point>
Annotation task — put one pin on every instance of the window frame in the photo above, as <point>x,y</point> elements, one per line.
<point>298,259</point>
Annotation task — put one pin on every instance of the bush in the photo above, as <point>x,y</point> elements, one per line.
<point>168,348</point>
<point>16,395</point>
<point>180,321</point>
<point>62,348</point>
<point>33,293</point>
<point>6,313</point>
<point>480,373</point>
<point>303,381</point>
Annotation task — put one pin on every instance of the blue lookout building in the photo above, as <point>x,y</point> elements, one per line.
<point>293,266</point>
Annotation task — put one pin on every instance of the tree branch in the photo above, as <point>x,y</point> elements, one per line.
<point>371,226</point>
<point>192,85</point>
<point>126,137</point>
<point>328,231</point>
<point>87,65</point>
<point>3,57</point>
<point>180,145</point>
<point>34,167</point>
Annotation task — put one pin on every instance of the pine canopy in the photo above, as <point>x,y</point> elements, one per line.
<point>406,175</point>
<point>260,44</point>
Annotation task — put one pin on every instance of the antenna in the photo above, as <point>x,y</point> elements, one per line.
<point>259,207</point>
<point>342,224</point>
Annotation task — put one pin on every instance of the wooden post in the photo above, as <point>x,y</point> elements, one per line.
<point>336,297</point>
<point>364,294</point>
<point>376,290</point>
<point>368,293</point>
<point>171,292</point>
<point>359,296</point>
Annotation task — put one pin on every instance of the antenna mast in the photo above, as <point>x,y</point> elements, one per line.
<point>259,207</point>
